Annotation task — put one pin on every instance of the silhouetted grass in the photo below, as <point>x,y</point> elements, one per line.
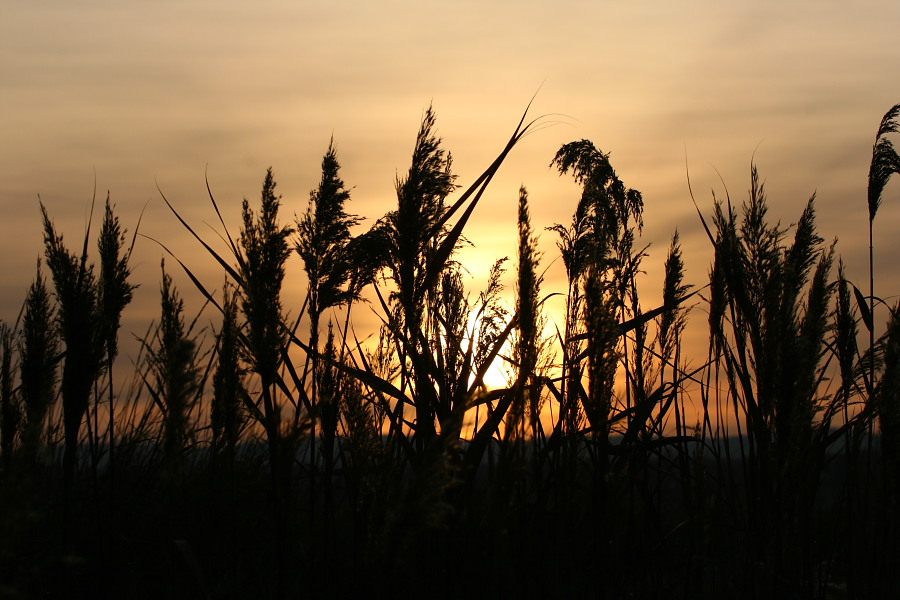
<point>387,468</point>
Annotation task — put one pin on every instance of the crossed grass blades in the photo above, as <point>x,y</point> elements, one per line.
<point>247,457</point>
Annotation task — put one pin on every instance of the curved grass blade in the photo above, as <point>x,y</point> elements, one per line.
<point>228,268</point>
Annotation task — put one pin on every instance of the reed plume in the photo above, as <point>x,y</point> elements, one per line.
<point>265,248</point>
<point>673,321</point>
<point>174,370</point>
<point>115,292</point>
<point>322,237</point>
<point>227,415</point>
<point>527,348</point>
<point>39,356</point>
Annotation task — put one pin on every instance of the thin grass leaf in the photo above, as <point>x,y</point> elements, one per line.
<point>477,188</point>
<point>222,263</point>
<point>863,306</point>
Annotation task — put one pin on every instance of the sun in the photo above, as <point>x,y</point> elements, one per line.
<point>497,375</point>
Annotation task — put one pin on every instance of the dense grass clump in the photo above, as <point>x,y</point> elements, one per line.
<point>251,459</point>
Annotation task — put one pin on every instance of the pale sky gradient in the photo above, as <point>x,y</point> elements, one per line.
<point>146,93</point>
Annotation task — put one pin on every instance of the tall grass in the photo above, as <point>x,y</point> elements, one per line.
<point>78,322</point>
<point>382,465</point>
<point>772,340</point>
<point>263,250</point>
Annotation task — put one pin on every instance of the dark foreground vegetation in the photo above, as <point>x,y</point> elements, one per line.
<point>276,457</point>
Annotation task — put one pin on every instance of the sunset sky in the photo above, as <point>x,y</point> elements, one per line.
<point>143,94</point>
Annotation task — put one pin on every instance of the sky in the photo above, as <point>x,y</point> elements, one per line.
<point>140,98</point>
